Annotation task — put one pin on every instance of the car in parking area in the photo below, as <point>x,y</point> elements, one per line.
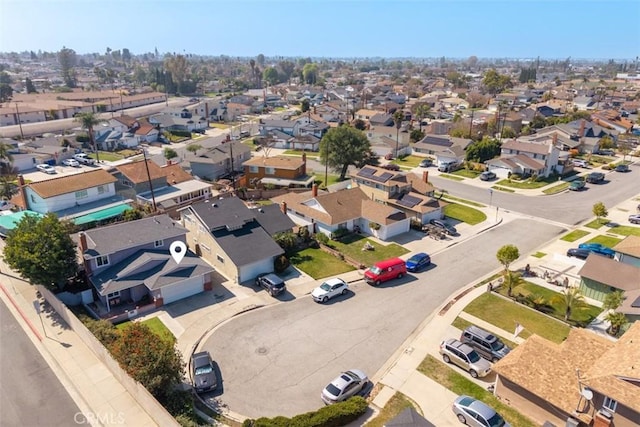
<point>426,163</point>
<point>634,219</point>
<point>330,289</point>
<point>595,177</point>
<point>463,355</point>
<point>485,343</point>
<point>622,168</point>
<point>598,249</point>
<point>391,167</point>
<point>202,372</point>
<point>487,176</point>
<point>577,185</point>
<point>43,167</point>
<point>346,385</point>
<point>447,228</point>
<point>580,163</point>
<point>418,261</point>
<point>271,283</point>
<point>71,162</point>
<point>578,253</point>
<point>476,413</point>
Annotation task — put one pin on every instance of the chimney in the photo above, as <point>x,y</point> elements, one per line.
<point>581,132</point>
<point>303,169</point>
<point>283,207</point>
<point>83,249</point>
<point>23,193</point>
<point>555,139</point>
<point>314,190</point>
<point>304,157</point>
<point>425,176</point>
<point>168,162</point>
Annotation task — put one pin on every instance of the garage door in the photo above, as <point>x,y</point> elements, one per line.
<point>183,289</point>
<point>250,271</point>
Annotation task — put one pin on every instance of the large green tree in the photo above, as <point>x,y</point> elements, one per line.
<point>600,210</point>
<point>344,146</point>
<point>310,73</point>
<point>41,250</point>
<point>270,75</point>
<point>495,82</point>
<point>483,150</point>
<point>88,121</point>
<point>6,92</point>
<point>67,60</point>
<point>507,255</point>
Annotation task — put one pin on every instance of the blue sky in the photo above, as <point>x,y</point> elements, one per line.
<point>329,28</point>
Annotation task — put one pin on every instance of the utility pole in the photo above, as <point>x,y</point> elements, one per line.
<point>146,165</point>
<point>233,172</point>
<point>326,164</point>
<point>19,121</point>
<point>121,104</point>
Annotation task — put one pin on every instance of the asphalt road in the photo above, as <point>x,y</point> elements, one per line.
<point>276,360</point>
<point>30,393</point>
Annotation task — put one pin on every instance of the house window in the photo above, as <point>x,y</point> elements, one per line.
<point>220,259</point>
<point>113,294</point>
<point>101,189</point>
<point>253,169</point>
<point>82,194</point>
<point>33,199</point>
<point>158,243</point>
<point>270,171</point>
<point>609,404</point>
<point>102,261</point>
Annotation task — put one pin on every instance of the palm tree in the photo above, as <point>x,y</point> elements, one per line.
<point>422,111</point>
<point>512,279</point>
<point>572,299</point>
<point>613,300</point>
<point>617,321</point>
<point>397,118</point>
<point>87,121</point>
<point>6,158</point>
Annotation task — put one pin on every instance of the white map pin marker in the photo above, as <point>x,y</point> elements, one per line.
<point>178,250</point>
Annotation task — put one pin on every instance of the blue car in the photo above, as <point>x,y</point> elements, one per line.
<point>418,262</point>
<point>597,248</point>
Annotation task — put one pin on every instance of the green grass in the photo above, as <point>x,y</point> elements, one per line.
<point>467,173</point>
<point>459,384</point>
<point>595,224</point>
<point>451,177</point>
<point>539,255</point>
<point>449,198</point>
<point>106,156</point>
<point>505,314</point>
<point>557,188</point>
<point>465,214</point>
<point>574,235</point>
<point>351,246</point>
<point>333,179</point>
<point>503,189</point>
<point>319,264</point>
<point>310,154</point>
<point>463,324</point>
<point>580,317</point>
<point>608,241</point>
<point>625,230</point>
<point>523,185</point>
<point>128,153</point>
<point>398,403</point>
<point>409,161</point>
<point>156,326</point>
<point>219,125</point>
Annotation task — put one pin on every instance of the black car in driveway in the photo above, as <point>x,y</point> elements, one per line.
<point>578,253</point>
<point>271,283</point>
<point>449,229</point>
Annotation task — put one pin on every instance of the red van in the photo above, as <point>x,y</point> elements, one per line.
<point>385,270</point>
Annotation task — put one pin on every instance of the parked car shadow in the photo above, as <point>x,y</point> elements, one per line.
<point>424,269</point>
<point>407,278</point>
<point>339,298</point>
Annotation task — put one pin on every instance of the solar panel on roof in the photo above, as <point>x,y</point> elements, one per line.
<point>636,303</point>
<point>404,203</point>
<point>385,176</point>
<point>366,172</point>
<point>410,199</point>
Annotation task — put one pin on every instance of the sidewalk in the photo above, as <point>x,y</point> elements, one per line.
<point>99,396</point>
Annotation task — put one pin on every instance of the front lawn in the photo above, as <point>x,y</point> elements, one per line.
<point>557,188</point>
<point>503,189</point>
<point>625,230</point>
<point>574,235</point>
<point>523,185</point>
<point>595,224</point>
<point>398,403</point>
<point>310,154</point>
<point>467,173</point>
<point>352,244</point>
<point>460,384</point>
<point>319,264</point>
<point>333,179</point>
<point>607,241</point>
<point>449,198</point>
<point>451,177</point>
<point>156,326</point>
<point>409,161</point>
<point>106,156</point>
<point>219,125</point>
<point>505,314</point>
<point>464,213</point>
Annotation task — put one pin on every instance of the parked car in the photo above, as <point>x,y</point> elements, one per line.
<point>382,271</point>
<point>606,152</point>
<point>580,163</point>
<point>634,219</point>
<point>485,343</point>
<point>449,229</point>
<point>473,412</point>
<point>426,163</point>
<point>577,185</point>
<point>391,167</point>
<point>622,168</point>
<point>6,205</point>
<point>43,167</point>
<point>578,253</point>
<point>346,385</point>
<point>329,289</point>
<point>487,176</point>
<point>595,177</point>
<point>71,162</point>
<point>82,158</point>
<point>598,249</point>
<point>202,372</point>
<point>418,262</point>
<point>271,283</point>
<point>458,353</point>
<point>446,166</point>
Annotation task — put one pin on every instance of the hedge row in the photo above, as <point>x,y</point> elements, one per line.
<point>335,415</point>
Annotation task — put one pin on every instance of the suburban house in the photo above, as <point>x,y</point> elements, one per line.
<point>84,197</point>
<point>233,238</point>
<point>349,209</point>
<point>129,264</point>
<point>281,171</point>
<point>305,143</point>
<point>383,140</point>
<point>584,103</point>
<point>146,132</point>
<point>611,119</point>
<point>234,110</point>
<point>526,159</point>
<point>444,148</point>
<point>212,163</point>
<point>115,133</point>
<point>382,119</point>
<point>585,380</point>
<point>180,120</point>
<point>170,187</point>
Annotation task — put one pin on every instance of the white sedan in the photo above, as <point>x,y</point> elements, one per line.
<point>46,168</point>
<point>329,289</point>
<point>71,162</point>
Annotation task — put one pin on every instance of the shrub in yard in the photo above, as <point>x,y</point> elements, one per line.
<point>339,233</point>
<point>281,263</point>
<point>82,138</point>
<point>374,225</point>
<point>321,238</point>
<point>183,133</point>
